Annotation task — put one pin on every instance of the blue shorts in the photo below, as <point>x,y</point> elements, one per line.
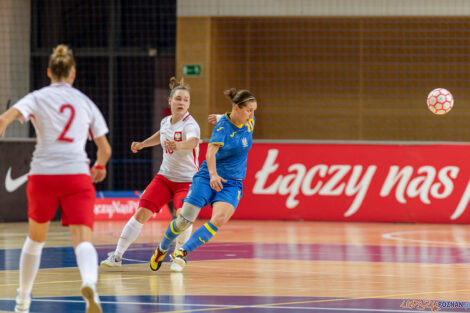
<point>201,194</point>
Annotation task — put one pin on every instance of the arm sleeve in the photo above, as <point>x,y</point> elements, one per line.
<point>218,134</point>
<point>98,126</point>
<point>191,131</point>
<point>26,106</point>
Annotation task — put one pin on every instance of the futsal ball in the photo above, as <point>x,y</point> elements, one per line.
<point>440,101</point>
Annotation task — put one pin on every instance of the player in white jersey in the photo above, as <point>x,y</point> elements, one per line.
<point>63,118</point>
<point>179,136</point>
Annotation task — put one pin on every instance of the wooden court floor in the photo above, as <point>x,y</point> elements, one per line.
<point>259,266</point>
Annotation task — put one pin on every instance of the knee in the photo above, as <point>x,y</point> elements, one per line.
<point>37,237</point>
<point>182,223</point>
<point>143,215</point>
<point>220,220</point>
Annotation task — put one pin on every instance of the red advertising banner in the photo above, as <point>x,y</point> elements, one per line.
<point>357,182</point>
<point>119,206</point>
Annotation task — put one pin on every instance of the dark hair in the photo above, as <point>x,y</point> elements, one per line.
<point>239,97</point>
<point>177,85</point>
<point>61,61</point>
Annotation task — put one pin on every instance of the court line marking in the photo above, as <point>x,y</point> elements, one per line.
<point>208,266</point>
<point>53,234</point>
<point>223,306</point>
<point>78,280</point>
<point>323,300</point>
<point>393,236</point>
<point>461,265</point>
<point>271,304</point>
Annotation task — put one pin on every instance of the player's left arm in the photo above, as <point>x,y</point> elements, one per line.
<point>98,171</point>
<point>7,117</point>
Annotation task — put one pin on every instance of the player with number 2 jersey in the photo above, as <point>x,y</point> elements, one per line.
<point>63,118</point>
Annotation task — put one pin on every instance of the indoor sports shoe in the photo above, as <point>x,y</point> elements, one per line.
<point>179,260</point>
<point>175,267</point>
<point>22,304</point>
<point>91,298</point>
<point>157,259</point>
<point>111,261</point>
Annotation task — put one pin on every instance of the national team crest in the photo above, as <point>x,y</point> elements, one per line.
<point>178,136</point>
<point>244,142</point>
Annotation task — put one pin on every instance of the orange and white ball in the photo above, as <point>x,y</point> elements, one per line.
<point>440,101</point>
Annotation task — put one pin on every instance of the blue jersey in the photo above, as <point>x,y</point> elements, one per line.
<point>235,142</point>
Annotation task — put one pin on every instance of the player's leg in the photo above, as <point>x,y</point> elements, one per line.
<point>154,197</point>
<point>221,214</point>
<point>197,197</point>
<point>87,261</point>
<point>129,234</point>
<point>183,236</point>
<point>180,192</point>
<point>29,263</point>
<point>183,221</point>
<point>224,204</point>
<point>77,203</point>
<point>42,204</point>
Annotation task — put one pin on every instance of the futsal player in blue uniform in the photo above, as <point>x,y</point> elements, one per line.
<point>219,181</point>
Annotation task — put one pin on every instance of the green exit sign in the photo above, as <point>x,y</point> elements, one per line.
<point>192,70</point>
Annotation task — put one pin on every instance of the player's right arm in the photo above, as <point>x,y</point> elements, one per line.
<point>98,171</point>
<point>215,179</point>
<point>149,142</point>
<point>7,117</point>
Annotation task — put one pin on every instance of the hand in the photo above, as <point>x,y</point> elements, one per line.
<point>216,182</point>
<point>212,118</point>
<point>98,174</point>
<point>136,146</point>
<point>171,145</point>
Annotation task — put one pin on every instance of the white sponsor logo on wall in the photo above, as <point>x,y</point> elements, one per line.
<point>426,182</point>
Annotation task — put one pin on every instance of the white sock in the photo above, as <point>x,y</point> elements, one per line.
<point>130,233</point>
<point>87,260</point>
<point>29,265</point>
<point>184,236</point>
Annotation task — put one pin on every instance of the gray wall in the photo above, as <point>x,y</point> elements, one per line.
<point>15,25</point>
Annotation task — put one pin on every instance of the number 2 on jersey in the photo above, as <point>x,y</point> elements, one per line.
<point>62,136</point>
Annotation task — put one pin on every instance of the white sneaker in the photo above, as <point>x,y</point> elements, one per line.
<point>178,259</point>
<point>111,261</point>
<point>175,267</point>
<point>91,298</point>
<point>22,304</point>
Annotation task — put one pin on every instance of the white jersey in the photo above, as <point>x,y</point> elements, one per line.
<point>63,118</point>
<point>179,166</point>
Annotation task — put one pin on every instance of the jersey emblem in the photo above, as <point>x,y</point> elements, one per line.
<point>244,142</point>
<point>178,136</point>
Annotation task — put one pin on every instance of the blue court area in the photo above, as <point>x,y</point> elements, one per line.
<point>229,304</point>
<point>56,257</point>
